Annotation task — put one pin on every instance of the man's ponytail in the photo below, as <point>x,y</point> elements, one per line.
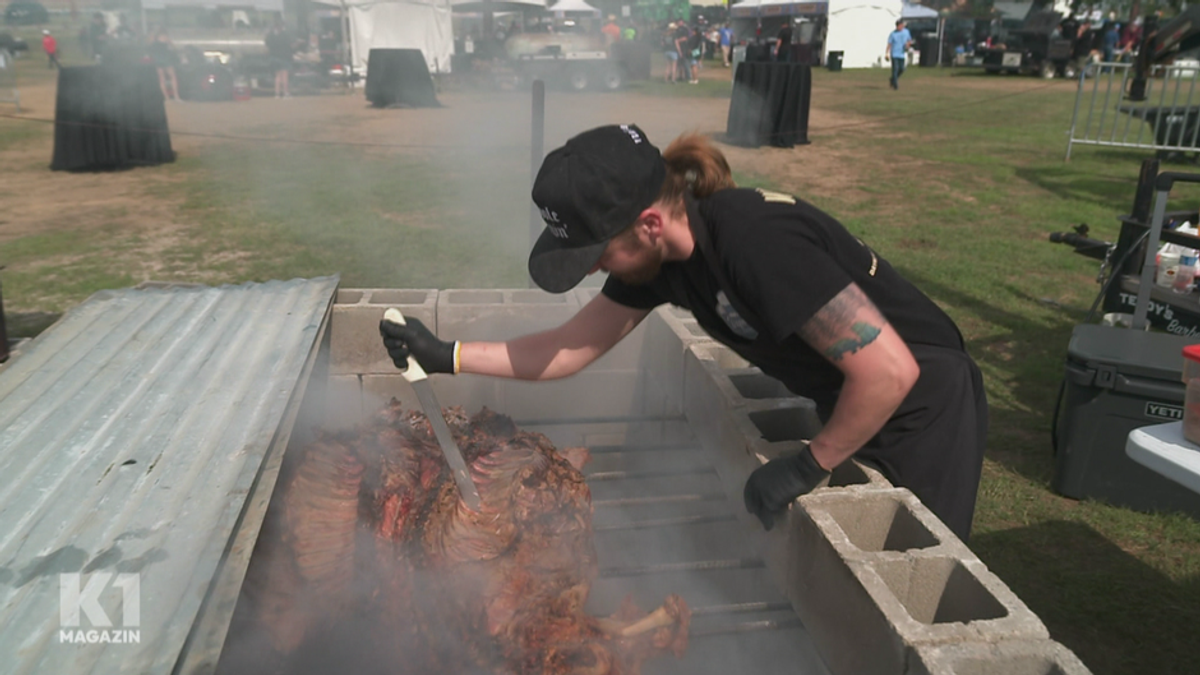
<point>696,166</point>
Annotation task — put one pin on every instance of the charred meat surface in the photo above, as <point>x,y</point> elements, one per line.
<point>370,561</point>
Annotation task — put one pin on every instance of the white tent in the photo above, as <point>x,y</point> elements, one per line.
<point>564,7</point>
<point>399,24</point>
<point>496,6</point>
<point>260,5</point>
<point>912,10</point>
<point>859,30</point>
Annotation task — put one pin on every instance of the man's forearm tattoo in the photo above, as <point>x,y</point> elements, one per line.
<point>841,327</point>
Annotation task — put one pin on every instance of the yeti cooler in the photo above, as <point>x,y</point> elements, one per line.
<point>1117,380</point>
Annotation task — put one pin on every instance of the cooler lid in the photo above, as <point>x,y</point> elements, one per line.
<point>1131,352</point>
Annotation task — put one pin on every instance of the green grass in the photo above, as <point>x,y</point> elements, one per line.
<point>960,179</point>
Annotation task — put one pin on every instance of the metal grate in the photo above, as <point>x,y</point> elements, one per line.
<point>664,525</point>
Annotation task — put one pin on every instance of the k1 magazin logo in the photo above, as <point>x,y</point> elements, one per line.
<point>1163,411</point>
<point>79,598</point>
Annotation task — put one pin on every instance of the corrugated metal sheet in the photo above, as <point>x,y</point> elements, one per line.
<point>130,435</point>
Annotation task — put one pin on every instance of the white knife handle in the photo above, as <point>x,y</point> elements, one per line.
<point>414,372</point>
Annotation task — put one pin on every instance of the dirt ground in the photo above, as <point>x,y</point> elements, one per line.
<point>34,195</point>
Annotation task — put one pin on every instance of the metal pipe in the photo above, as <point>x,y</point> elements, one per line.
<point>3,328</point>
<point>742,607</point>
<point>600,476</point>
<point>536,153</point>
<point>747,627</point>
<point>658,499</point>
<point>666,522</point>
<point>698,566</point>
<point>1147,277</point>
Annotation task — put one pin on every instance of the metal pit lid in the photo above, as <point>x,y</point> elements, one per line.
<point>139,437</point>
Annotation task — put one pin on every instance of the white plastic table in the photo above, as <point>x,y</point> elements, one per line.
<point>1162,448</point>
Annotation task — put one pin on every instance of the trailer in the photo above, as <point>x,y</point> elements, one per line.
<point>1038,47</point>
<point>574,61</point>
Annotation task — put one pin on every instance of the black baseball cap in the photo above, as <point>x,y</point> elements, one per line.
<point>588,191</point>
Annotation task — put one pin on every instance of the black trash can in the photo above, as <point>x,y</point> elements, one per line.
<point>399,77</point>
<point>834,62</point>
<point>929,51</point>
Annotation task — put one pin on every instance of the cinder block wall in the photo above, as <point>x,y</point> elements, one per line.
<point>880,583</point>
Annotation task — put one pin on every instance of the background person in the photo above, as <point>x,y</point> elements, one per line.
<point>280,49</point>
<point>683,36</point>
<point>164,60</point>
<point>725,38</point>
<point>50,46</point>
<point>783,43</point>
<point>671,51</point>
<point>898,43</point>
<point>776,280</point>
<point>96,35</point>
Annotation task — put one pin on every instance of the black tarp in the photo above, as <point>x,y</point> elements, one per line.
<point>770,105</point>
<point>399,77</point>
<point>108,117</point>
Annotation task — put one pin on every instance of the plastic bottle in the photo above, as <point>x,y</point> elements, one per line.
<point>1182,283</point>
<point>1168,265</point>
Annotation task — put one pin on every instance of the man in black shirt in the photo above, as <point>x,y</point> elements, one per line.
<point>778,281</point>
<point>783,43</point>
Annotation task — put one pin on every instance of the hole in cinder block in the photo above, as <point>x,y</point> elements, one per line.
<point>476,297</point>
<point>939,590</point>
<point>786,424</point>
<point>695,329</point>
<point>1022,665</point>
<point>727,359</point>
<point>348,297</point>
<point>538,297</point>
<point>880,524</point>
<point>390,297</point>
<point>757,385</point>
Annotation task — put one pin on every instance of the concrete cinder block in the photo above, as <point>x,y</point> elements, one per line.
<point>881,520</point>
<point>471,392</point>
<point>587,395</point>
<point>1008,657</point>
<point>500,314</point>
<point>668,338</point>
<point>879,568</point>
<point>707,366</point>
<point>354,344</point>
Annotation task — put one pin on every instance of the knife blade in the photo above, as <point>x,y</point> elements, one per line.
<point>419,380</point>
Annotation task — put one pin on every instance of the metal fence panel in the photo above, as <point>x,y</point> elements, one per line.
<point>8,79</point>
<point>1166,119</point>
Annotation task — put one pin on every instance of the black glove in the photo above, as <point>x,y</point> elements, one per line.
<point>434,355</point>
<point>774,485</point>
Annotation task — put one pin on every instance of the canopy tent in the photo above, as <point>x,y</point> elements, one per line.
<point>748,9</point>
<point>399,24</point>
<point>496,6</point>
<point>577,7</point>
<point>859,30</point>
<point>912,10</point>
<point>258,5</point>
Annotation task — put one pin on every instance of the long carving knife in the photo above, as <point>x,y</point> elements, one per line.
<point>419,380</point>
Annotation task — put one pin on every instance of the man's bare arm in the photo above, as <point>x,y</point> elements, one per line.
<point>879,371</point>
